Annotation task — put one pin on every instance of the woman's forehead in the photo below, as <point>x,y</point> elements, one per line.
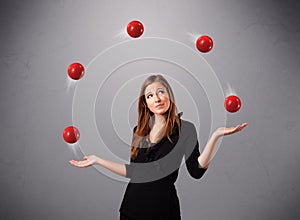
<point>153,87</point>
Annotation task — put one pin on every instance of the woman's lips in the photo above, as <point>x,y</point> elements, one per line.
<point>158,106</point>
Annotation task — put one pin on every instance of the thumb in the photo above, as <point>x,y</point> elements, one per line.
<point>85,157</point>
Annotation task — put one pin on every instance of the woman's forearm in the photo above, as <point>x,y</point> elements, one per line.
<point>117,168</point>
<point>206,155</point>
<point>205,158</point>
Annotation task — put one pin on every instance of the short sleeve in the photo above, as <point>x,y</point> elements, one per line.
<point>192,153</point>
<point>129,170</point>
<point>130,166</point>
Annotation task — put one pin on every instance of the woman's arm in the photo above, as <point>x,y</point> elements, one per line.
<point>205,157</point>
<point>120,169</point>
<point>90,160</point>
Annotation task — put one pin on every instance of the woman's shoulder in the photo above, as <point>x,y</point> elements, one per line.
<point>187,128</point>
<point>186,123</point>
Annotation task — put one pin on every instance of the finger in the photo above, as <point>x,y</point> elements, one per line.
<point>241,127</point>
<point>77,162</point>
<point>81,163</point>
<point>74,163</point>
<point>236,128</point>
<point>244,124</point>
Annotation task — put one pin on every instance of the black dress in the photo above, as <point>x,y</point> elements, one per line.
<point>151,193</point>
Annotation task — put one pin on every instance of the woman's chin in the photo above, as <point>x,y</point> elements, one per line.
<point>160,112</point>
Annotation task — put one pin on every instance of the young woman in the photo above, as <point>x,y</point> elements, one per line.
<point>160,140</point>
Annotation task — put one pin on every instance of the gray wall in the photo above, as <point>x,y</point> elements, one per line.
<point>254,174</point>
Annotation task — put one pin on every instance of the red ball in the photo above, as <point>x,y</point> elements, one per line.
<point>135,29</point>
<point>71,134</point>
<point>204,44</point>
<point>232,103</point>
<point>76,71</point>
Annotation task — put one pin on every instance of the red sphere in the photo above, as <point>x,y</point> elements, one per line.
<point>232,103</point>
<point>204,44</point>
<point>71,134</point>
<point>135,29</point>
<point>76,71</point>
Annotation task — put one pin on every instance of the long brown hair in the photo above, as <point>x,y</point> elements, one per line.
<point>144,114</point>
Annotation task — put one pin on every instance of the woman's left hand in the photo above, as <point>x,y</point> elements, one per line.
<point>227,131</point>
<point>86,162</point>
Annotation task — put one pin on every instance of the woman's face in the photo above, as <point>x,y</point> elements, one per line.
<point>157,98</point>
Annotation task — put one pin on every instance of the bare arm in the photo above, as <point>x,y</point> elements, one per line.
<point>90,160</point>
<point>206,156</point>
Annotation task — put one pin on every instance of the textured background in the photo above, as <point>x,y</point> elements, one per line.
<point>254,174</point>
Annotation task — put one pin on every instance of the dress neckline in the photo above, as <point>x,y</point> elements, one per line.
<point>147,140</point>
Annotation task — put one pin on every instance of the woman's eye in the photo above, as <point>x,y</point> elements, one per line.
<point>160,91</point>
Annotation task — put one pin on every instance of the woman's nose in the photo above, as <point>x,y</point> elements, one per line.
<point>156,98</point>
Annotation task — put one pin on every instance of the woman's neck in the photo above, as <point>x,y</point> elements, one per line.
<point>158,128</point>
<point>159,120</point>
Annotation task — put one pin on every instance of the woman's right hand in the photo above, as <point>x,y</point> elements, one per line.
<point>86,162</point>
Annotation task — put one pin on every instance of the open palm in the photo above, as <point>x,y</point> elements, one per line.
<point>86,162</point>
<point>227,131</point>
